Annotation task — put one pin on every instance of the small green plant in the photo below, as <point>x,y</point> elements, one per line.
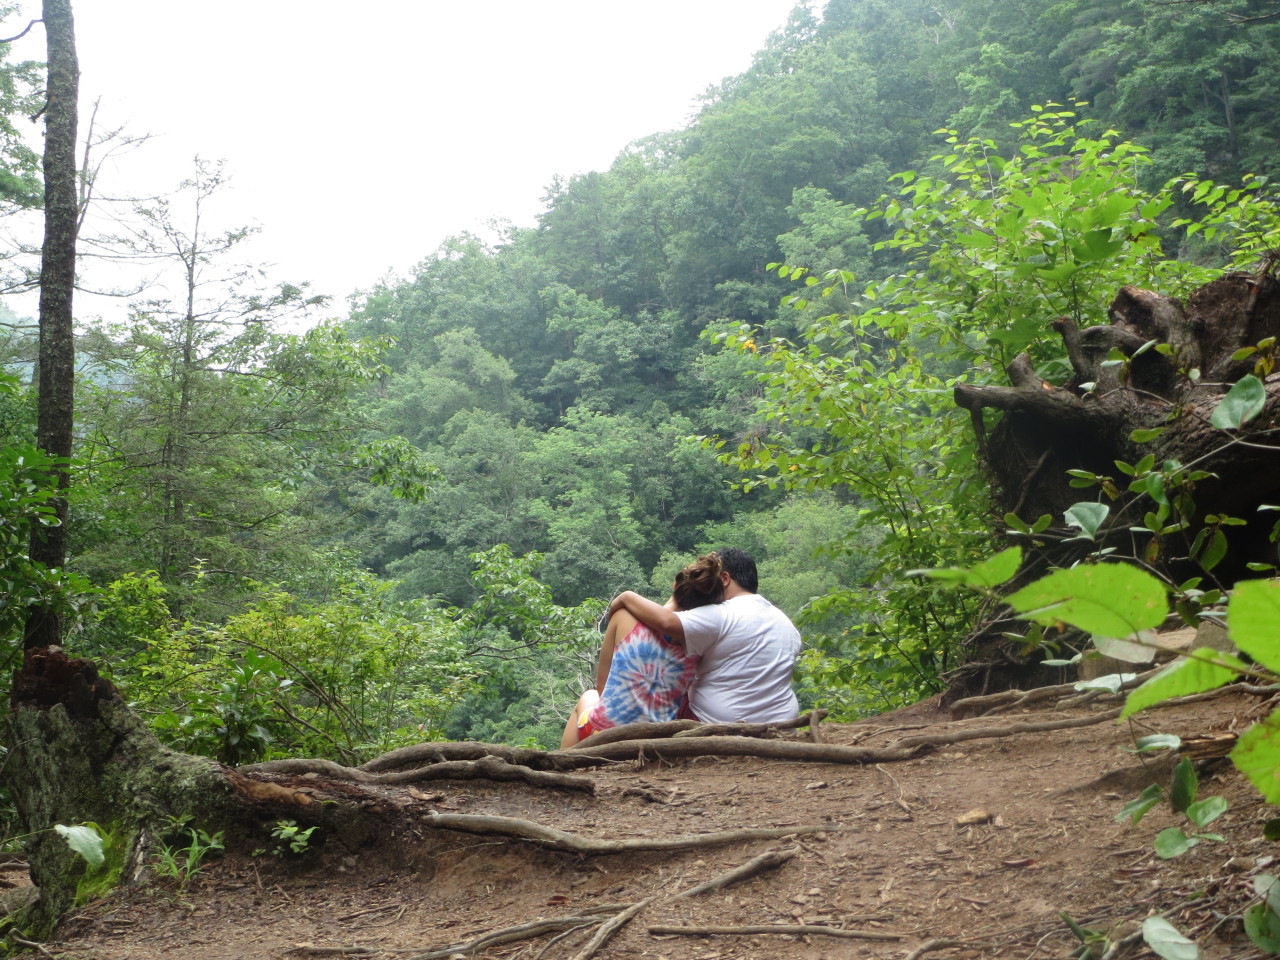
<point>183,862</point>
<point>1174,841</point>
<point>291,835</point>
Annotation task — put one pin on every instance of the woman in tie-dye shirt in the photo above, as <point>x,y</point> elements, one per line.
<point>643,676</point>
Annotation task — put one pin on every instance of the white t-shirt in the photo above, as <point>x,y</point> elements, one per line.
<point>748,649</point>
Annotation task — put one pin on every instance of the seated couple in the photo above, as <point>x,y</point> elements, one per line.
<point>717,651</point>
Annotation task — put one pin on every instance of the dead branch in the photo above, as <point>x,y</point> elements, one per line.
<point>554,839</point>
<point>789,929</point>
<point>769,860</point>
<point>684,747</point>
<point>982,733</point>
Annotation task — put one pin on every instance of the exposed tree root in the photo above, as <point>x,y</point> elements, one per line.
<point>554,839</point>
<point>485,768</point>
<point>719,746</point>
<point>789,929</point>
<point>983,733</point>
<point>1012,699</point>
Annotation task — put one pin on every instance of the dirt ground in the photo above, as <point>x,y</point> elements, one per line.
<point>985,843</point>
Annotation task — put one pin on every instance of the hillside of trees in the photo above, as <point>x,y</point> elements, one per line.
<point>404,522</point>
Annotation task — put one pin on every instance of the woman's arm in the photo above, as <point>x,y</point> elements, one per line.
<point>655,615</point>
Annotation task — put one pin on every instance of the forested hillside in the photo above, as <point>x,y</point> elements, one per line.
<point>406,521</point>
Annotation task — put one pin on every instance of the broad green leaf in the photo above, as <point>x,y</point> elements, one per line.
<point>1087,517</point>
<point>1137,808</point>
<point>1268,888</point>
<point>1242,403</point>
<point>1263,927</point>
<point>1215,551</point>
<point>1271,829</point>
<point>1111,599</point>
<point>1207,670</point>
<point>989,573</point>
<point>1204,812</point>
<point>1172,842</point>
<point>1254,613</point>
<point>84,840</point>
<point>1257,755</point>
<point>1145,436</point>
<point>1182,791</point>
<point>1163,937</point>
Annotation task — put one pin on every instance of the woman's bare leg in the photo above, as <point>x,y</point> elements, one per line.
<point>586,703</point>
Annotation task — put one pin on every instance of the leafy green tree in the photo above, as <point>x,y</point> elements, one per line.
<point>204,427</point>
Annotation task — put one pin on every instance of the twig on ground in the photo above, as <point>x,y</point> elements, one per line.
<point>942,943</point>
<point>902,804</point>
<point>555,839</point>
<point>769,860</point>
<point>788,929</point>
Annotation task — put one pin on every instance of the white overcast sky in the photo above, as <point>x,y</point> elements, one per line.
<point>358,136</point>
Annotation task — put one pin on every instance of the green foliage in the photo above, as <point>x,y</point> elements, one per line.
<point>293,838</point>
<point>183,862</point>
<point>350,677</point>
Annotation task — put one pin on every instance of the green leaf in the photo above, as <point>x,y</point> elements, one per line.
<point>1215,551</point>
<point>1087,517</point>
<point>1268,888</point>
<point>1242,403</point>
<point>1271,829</point>
<point>1112,599</point>
<point>1182,791</point>
<point>1205,671</point>
<point>990,573</point>
<point>85,840</point>
<point>1204,812</point>
<point>1263,927</point>
<point>1163,937</point>
<point>1254,613</point>
<point>1172,842</point>
<point>1137,808</point>
<point>1257,755</point>
<point>1145,436</point>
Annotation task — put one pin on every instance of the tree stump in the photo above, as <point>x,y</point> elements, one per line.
<point>1159,365</point>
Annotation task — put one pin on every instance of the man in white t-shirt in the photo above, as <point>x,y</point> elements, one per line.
<point>747,645</point>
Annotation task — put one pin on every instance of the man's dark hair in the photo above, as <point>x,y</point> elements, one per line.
<point>741,567</point>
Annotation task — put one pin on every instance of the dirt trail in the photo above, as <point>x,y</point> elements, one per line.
<point>986,842</point>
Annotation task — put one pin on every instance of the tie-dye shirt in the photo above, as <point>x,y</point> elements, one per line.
<point>648,680</point>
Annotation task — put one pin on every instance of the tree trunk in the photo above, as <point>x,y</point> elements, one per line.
<point>1158,366</point>
<point>80,755</point>
<point>57,283</point>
